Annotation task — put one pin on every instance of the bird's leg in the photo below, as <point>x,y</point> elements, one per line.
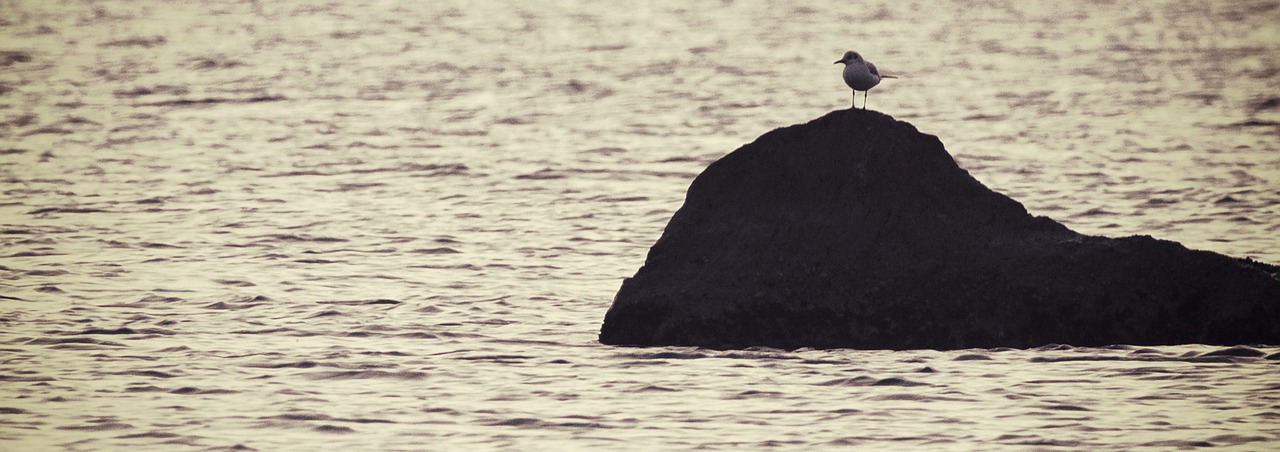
<point>855,100</point>
<point>864,98</point>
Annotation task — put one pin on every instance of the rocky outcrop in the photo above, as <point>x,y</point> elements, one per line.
<point>856,230</point>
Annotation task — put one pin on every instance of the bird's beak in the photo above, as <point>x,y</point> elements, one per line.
<point>838,62</point>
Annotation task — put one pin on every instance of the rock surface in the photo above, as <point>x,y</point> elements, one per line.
<point>856,230</point>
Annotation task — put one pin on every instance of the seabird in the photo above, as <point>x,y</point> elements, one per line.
<point>861,75</point>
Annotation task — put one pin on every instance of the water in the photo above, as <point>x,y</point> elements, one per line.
<point>397,226</point>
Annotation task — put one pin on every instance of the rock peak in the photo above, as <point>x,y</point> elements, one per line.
<point>857,230</point>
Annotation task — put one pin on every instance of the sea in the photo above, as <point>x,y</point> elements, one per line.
<point>397,225</point>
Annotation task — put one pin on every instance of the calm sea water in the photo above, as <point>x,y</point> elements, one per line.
<point>295,225</point>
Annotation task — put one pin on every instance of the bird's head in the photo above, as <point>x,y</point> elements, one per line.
<point>849,57</point>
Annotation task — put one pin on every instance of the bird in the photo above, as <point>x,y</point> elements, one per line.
<point>861,75</point>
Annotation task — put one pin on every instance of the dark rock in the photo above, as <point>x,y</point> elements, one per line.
<point>856,230</point>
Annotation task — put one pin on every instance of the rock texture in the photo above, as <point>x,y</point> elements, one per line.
<point>856,230</point>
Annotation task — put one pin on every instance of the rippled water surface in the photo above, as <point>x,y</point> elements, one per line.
<point>397,225</point>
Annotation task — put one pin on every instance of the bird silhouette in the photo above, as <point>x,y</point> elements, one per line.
<point>861,75</point>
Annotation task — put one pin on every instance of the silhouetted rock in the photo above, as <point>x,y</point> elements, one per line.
<point>856,230</point>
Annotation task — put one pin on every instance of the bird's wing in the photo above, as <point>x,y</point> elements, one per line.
<point>876,72</point>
